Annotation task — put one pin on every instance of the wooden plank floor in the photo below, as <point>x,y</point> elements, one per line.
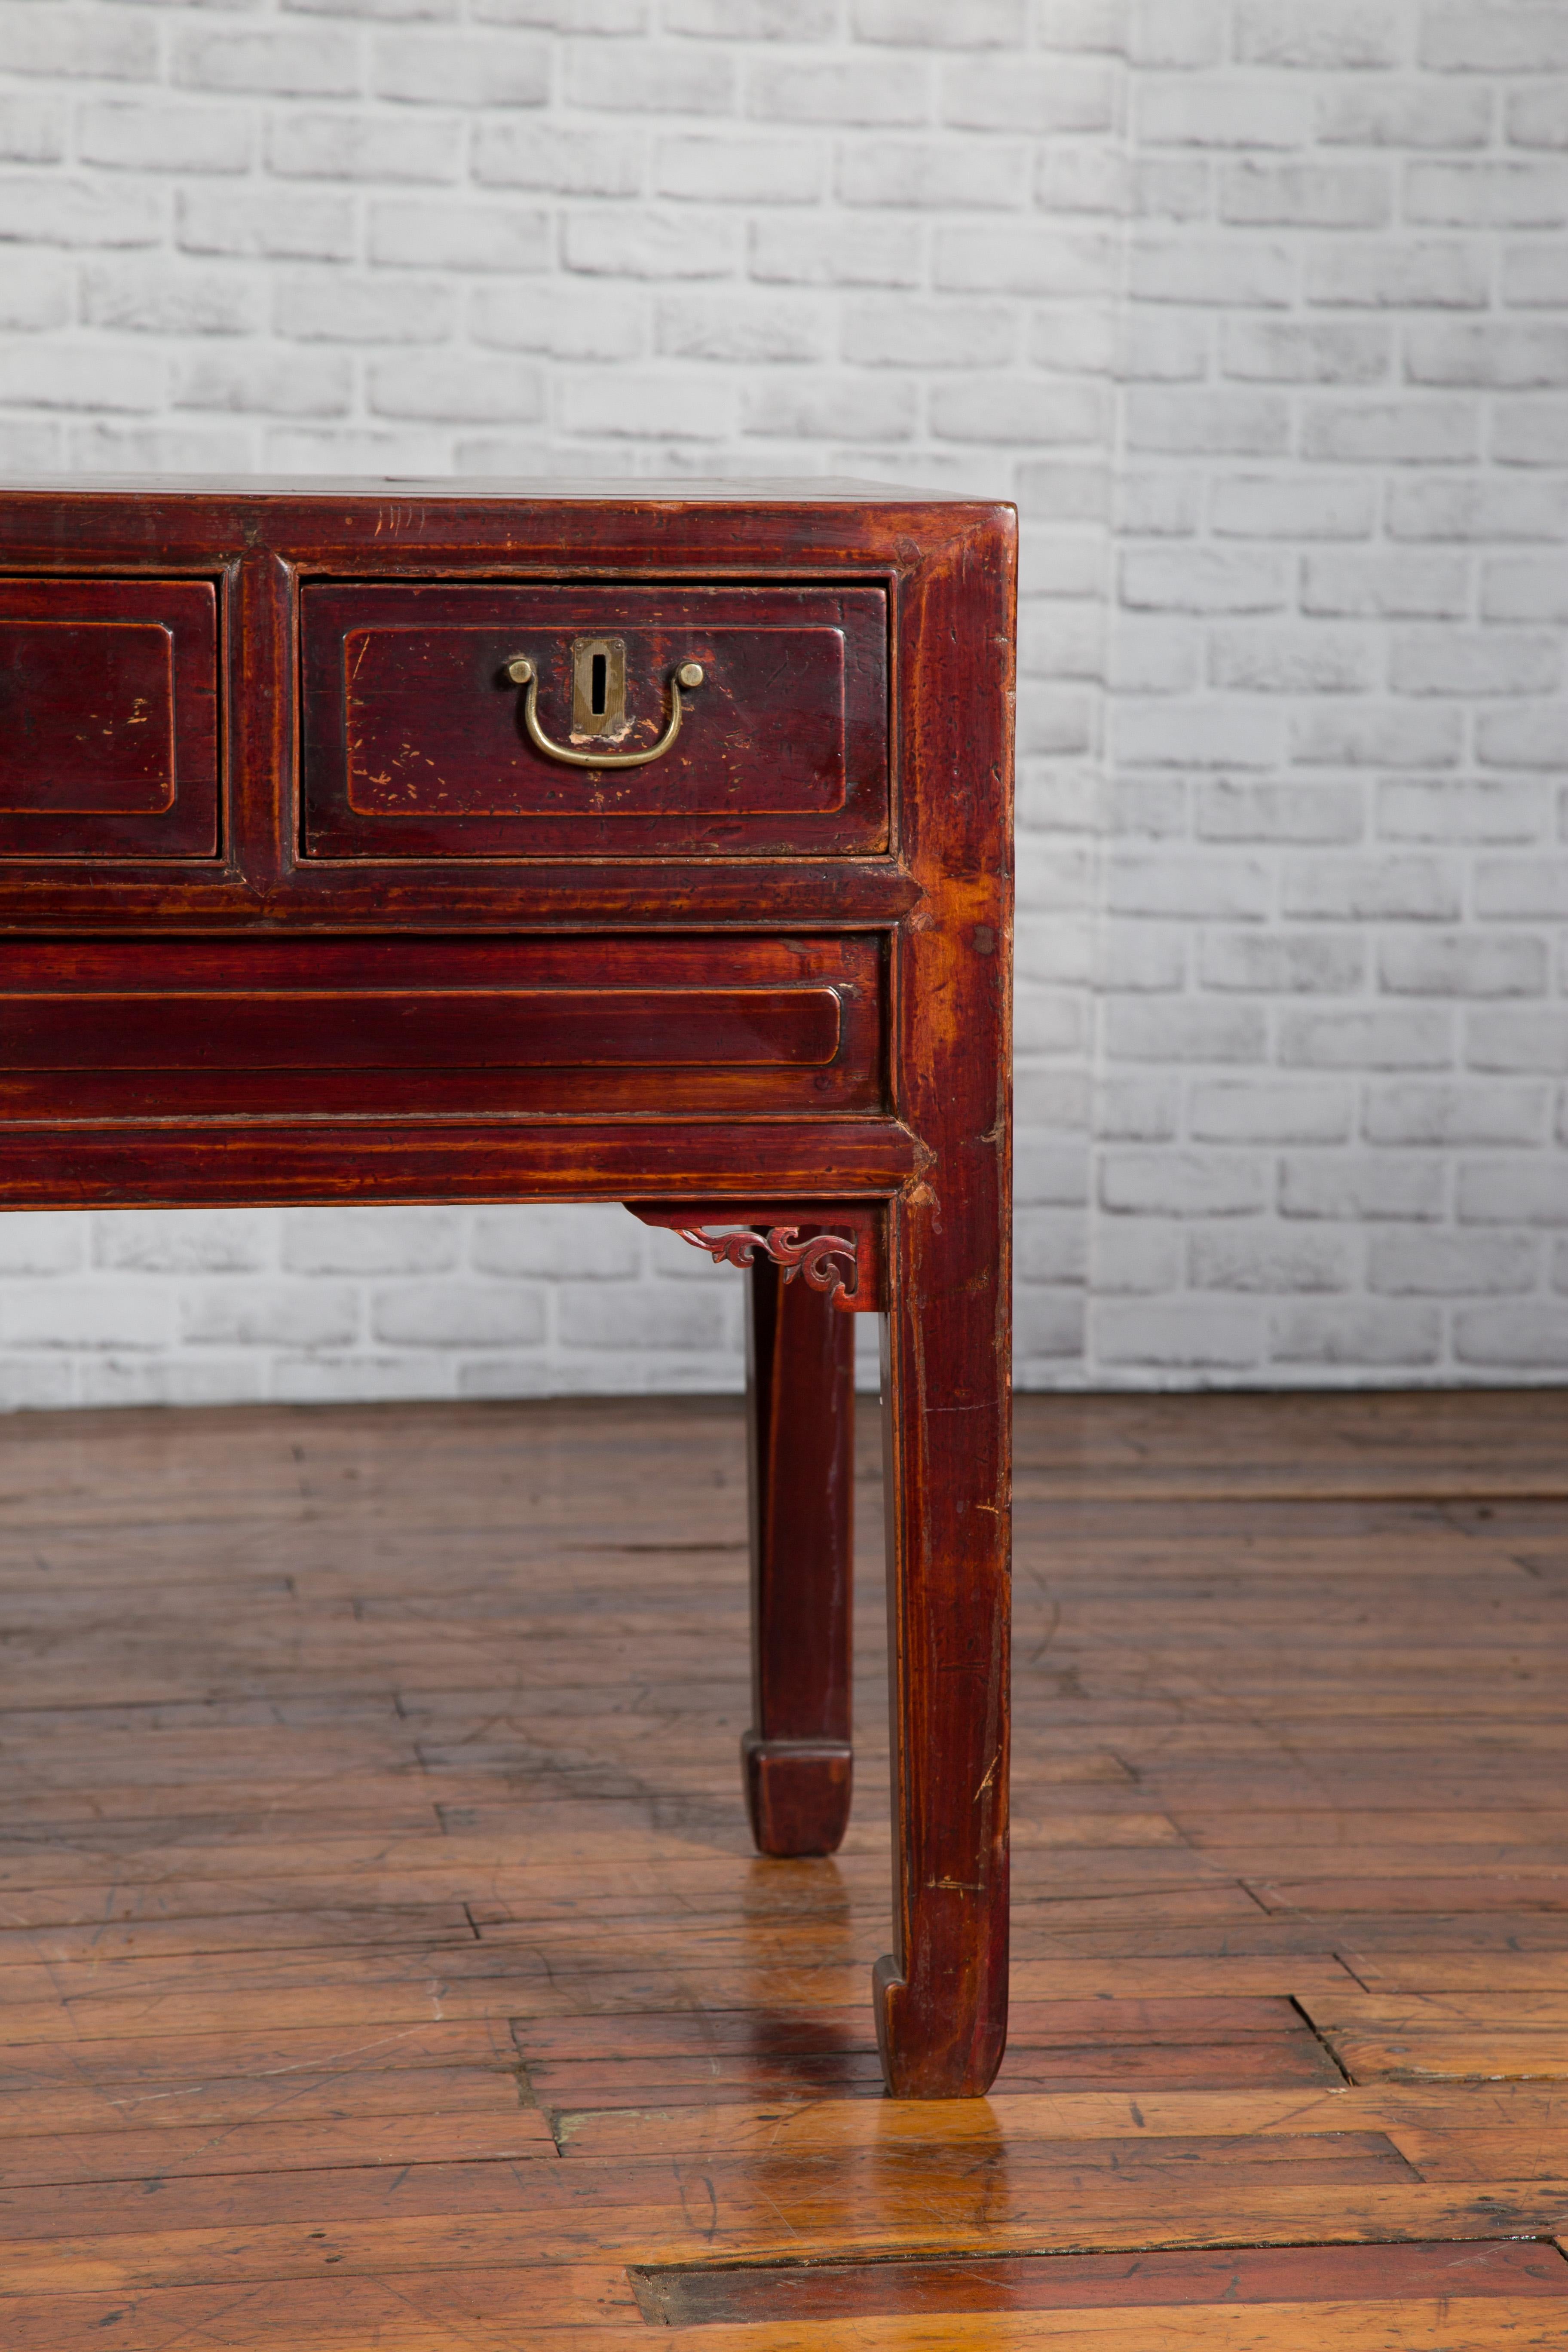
<point>383,1962</point>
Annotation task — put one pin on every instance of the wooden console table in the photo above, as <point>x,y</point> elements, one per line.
<point>409,842</point>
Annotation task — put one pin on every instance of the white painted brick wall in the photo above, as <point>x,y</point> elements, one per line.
<point>1259,309</point>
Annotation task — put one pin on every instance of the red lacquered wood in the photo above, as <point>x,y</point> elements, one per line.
<point>108,719</point>
<point>415,746</point>
<point>800,1393</point>
<point>773,971</point>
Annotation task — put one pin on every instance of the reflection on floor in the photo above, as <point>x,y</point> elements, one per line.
<point>383,1962</point>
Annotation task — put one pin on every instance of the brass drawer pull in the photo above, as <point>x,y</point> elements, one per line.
<point>522,672</point>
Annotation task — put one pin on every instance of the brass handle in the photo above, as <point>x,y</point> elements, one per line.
<point>522,672</point>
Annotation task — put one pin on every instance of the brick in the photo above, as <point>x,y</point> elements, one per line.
<point>32,129</point>
<point>1497,1111</point>
<point>1306,195</point>
<point>454,386</point>
<point>622,15</point>
<point>1451,1266</point>
<point>830,408</point>
<point>1036,95</point>
<point>283,384</point>
<point>1166,347</point>
<point>935,24</point>
<point>35,293</point>
<point>163,299</point>
<point>1495,38</point>
<point>1138,1109</point>
<point>1277,964</point>
<point>447,68</point>
<point>332,306</point>
<point>1526,890</point>
<point>1360,1187</point>
<point>624,243</point>
<point>1139,1256</point>
<point>1000,258</point>
<point>1397,274</point>
<point>1214,111</point>
<point>343,449</point>
<point>90,1311</point>
<point>932,172</point>
<point>1277,507</point>
<point>381,11</point>
<point>1155,734</point>
<point>1332,35</point>
<point>107,44</point>
<point>878,89</point>
<point>314,64</point>
<point>1381,1040</point>
<point>646,77</point>
<point>667,408</point>
<point>1180,1334</point>
<point>1511,1193</point>
<point>1476,662</point>
<point>1049,1246</point>
<point>1535,117</point>
<point>456,1315</point>
<point>1195,1031</point>
<point>1472,509</point>
<point>1204,579</point>
<point>1404,114</point>
<point>675,1315</point>
<point>1527,1337</point>
<point>1184,33</point>
<point>1297,1259</point>
<point>1143,955</point>
<point>1392,432</point>
<point>1213,270</point>
<point>1210,887</point>
<point>1522,738</point>
<point>570,321</point>
<point>1218,424</point>
<point>1172,187</point>
<point>817,252</point>
<point>1488,195</point>
<point>296,228</point>
<point>1183,1184</point>
<point>1460,809</point>
<point>145,135</point>
<point>879,332</point>
<point>555,1241</point>
<point>1327,351</point>
<point>1082,178</point>
<point>1509,358</point>
<point>578,162</point>
<point>1383,587</point>
<point>197,1241</point>
<point>61,375</point>
<point>1379,889</point>
<point>321,146</point>
<point>1362,1335</point>
<point>1524,588</point>
<point>1535,276</point>
<point>43,210</point>
<point>1522,1037</point>
<point>102,448</point>
<point>1229,811</point>
<point>1264,1110</point>
<point>1291,658</point>
<point>41,1241</point>
<point>1376,735</point>
<point>747,20</point>
<point>279,1313</point>
<point>452,236</point>
<point>757,329</point>
<point>749,170</point>
<point>1017,411</point>
<point>1049,1326</point>
<point>1462,965</point>
<point>382,1239</point>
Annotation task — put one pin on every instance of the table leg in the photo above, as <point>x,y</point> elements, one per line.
<point>941,1995</point>
<point>801,1427</point>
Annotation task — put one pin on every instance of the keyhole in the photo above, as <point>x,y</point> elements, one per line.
<point>599,687</point>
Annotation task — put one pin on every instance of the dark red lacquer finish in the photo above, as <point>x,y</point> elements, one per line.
<point>333,865</point>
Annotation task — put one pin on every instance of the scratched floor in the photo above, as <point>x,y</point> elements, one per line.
<point>382,1963</point>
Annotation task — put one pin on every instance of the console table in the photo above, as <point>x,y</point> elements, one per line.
<point>381,841</point>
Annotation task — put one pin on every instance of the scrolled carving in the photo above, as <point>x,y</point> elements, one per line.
<point>814,1258</point>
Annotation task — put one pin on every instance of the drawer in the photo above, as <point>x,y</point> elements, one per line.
<point>449,720</point>
<point>108,719</point>
<point>439,1027</point>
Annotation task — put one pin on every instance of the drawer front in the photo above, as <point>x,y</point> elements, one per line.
<point>108,719</point>
<point>421,740</point>
<point>439,1027</point>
